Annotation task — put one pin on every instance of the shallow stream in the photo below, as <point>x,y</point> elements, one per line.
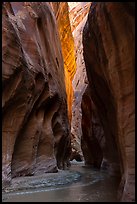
<point>78,184</point>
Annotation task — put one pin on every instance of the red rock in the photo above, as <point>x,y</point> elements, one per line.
<point>92,139</point>
<point>35,132</point>
<point>108,41</point>
<point>78,16</point>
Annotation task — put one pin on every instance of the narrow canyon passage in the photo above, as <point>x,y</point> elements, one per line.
<point>68,102</point>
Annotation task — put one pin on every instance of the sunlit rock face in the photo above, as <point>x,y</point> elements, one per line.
<point>35,129</point>
<point>78,15</point>
<point>77,12</point>
<point>108,41</point>
<point>61,11</point>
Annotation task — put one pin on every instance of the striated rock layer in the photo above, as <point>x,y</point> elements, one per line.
<point>61,11</point>
<point>77,12</point>
<point>78,16</point>
<point>108,41</point>
<point>35,129</point>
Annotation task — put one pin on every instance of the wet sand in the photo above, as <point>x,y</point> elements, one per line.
<point>79,184</point>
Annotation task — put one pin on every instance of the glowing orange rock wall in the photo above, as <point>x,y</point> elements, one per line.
<point>62,15</point>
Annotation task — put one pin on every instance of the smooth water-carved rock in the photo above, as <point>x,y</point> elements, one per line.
<point>61,11</point>
<point>108,41</point>
<point>35,129</point>
<point>92,139</point>
<point>78,16</point>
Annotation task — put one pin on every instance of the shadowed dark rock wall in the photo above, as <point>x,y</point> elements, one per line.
<point>92,139</point>
<point>108,41</point>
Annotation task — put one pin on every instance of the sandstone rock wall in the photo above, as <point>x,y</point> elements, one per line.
<point>92,138</point>
<point>77,12</point>
<point>61,11</point>
<point>108,41</point>
<point>35,129</point>
<point>78,16</point>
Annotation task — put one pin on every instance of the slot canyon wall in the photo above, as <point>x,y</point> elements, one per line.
<point>92,138</point>
<point>61,11</point>
<point>78,12</point>
<point>108,44</point>
<point>53,81</point>
<point>35,129</point>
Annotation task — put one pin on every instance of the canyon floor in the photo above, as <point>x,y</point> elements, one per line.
<point>78,184</point>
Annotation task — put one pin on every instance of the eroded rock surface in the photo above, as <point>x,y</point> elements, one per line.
<point>78,15</point>
<point>92,139</point>
<point>35,130</point>
<point>77,12</point>
<point>108,42</point>
<point>61,11</point>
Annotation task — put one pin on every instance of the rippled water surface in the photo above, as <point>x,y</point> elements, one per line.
<point>79,184</point>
